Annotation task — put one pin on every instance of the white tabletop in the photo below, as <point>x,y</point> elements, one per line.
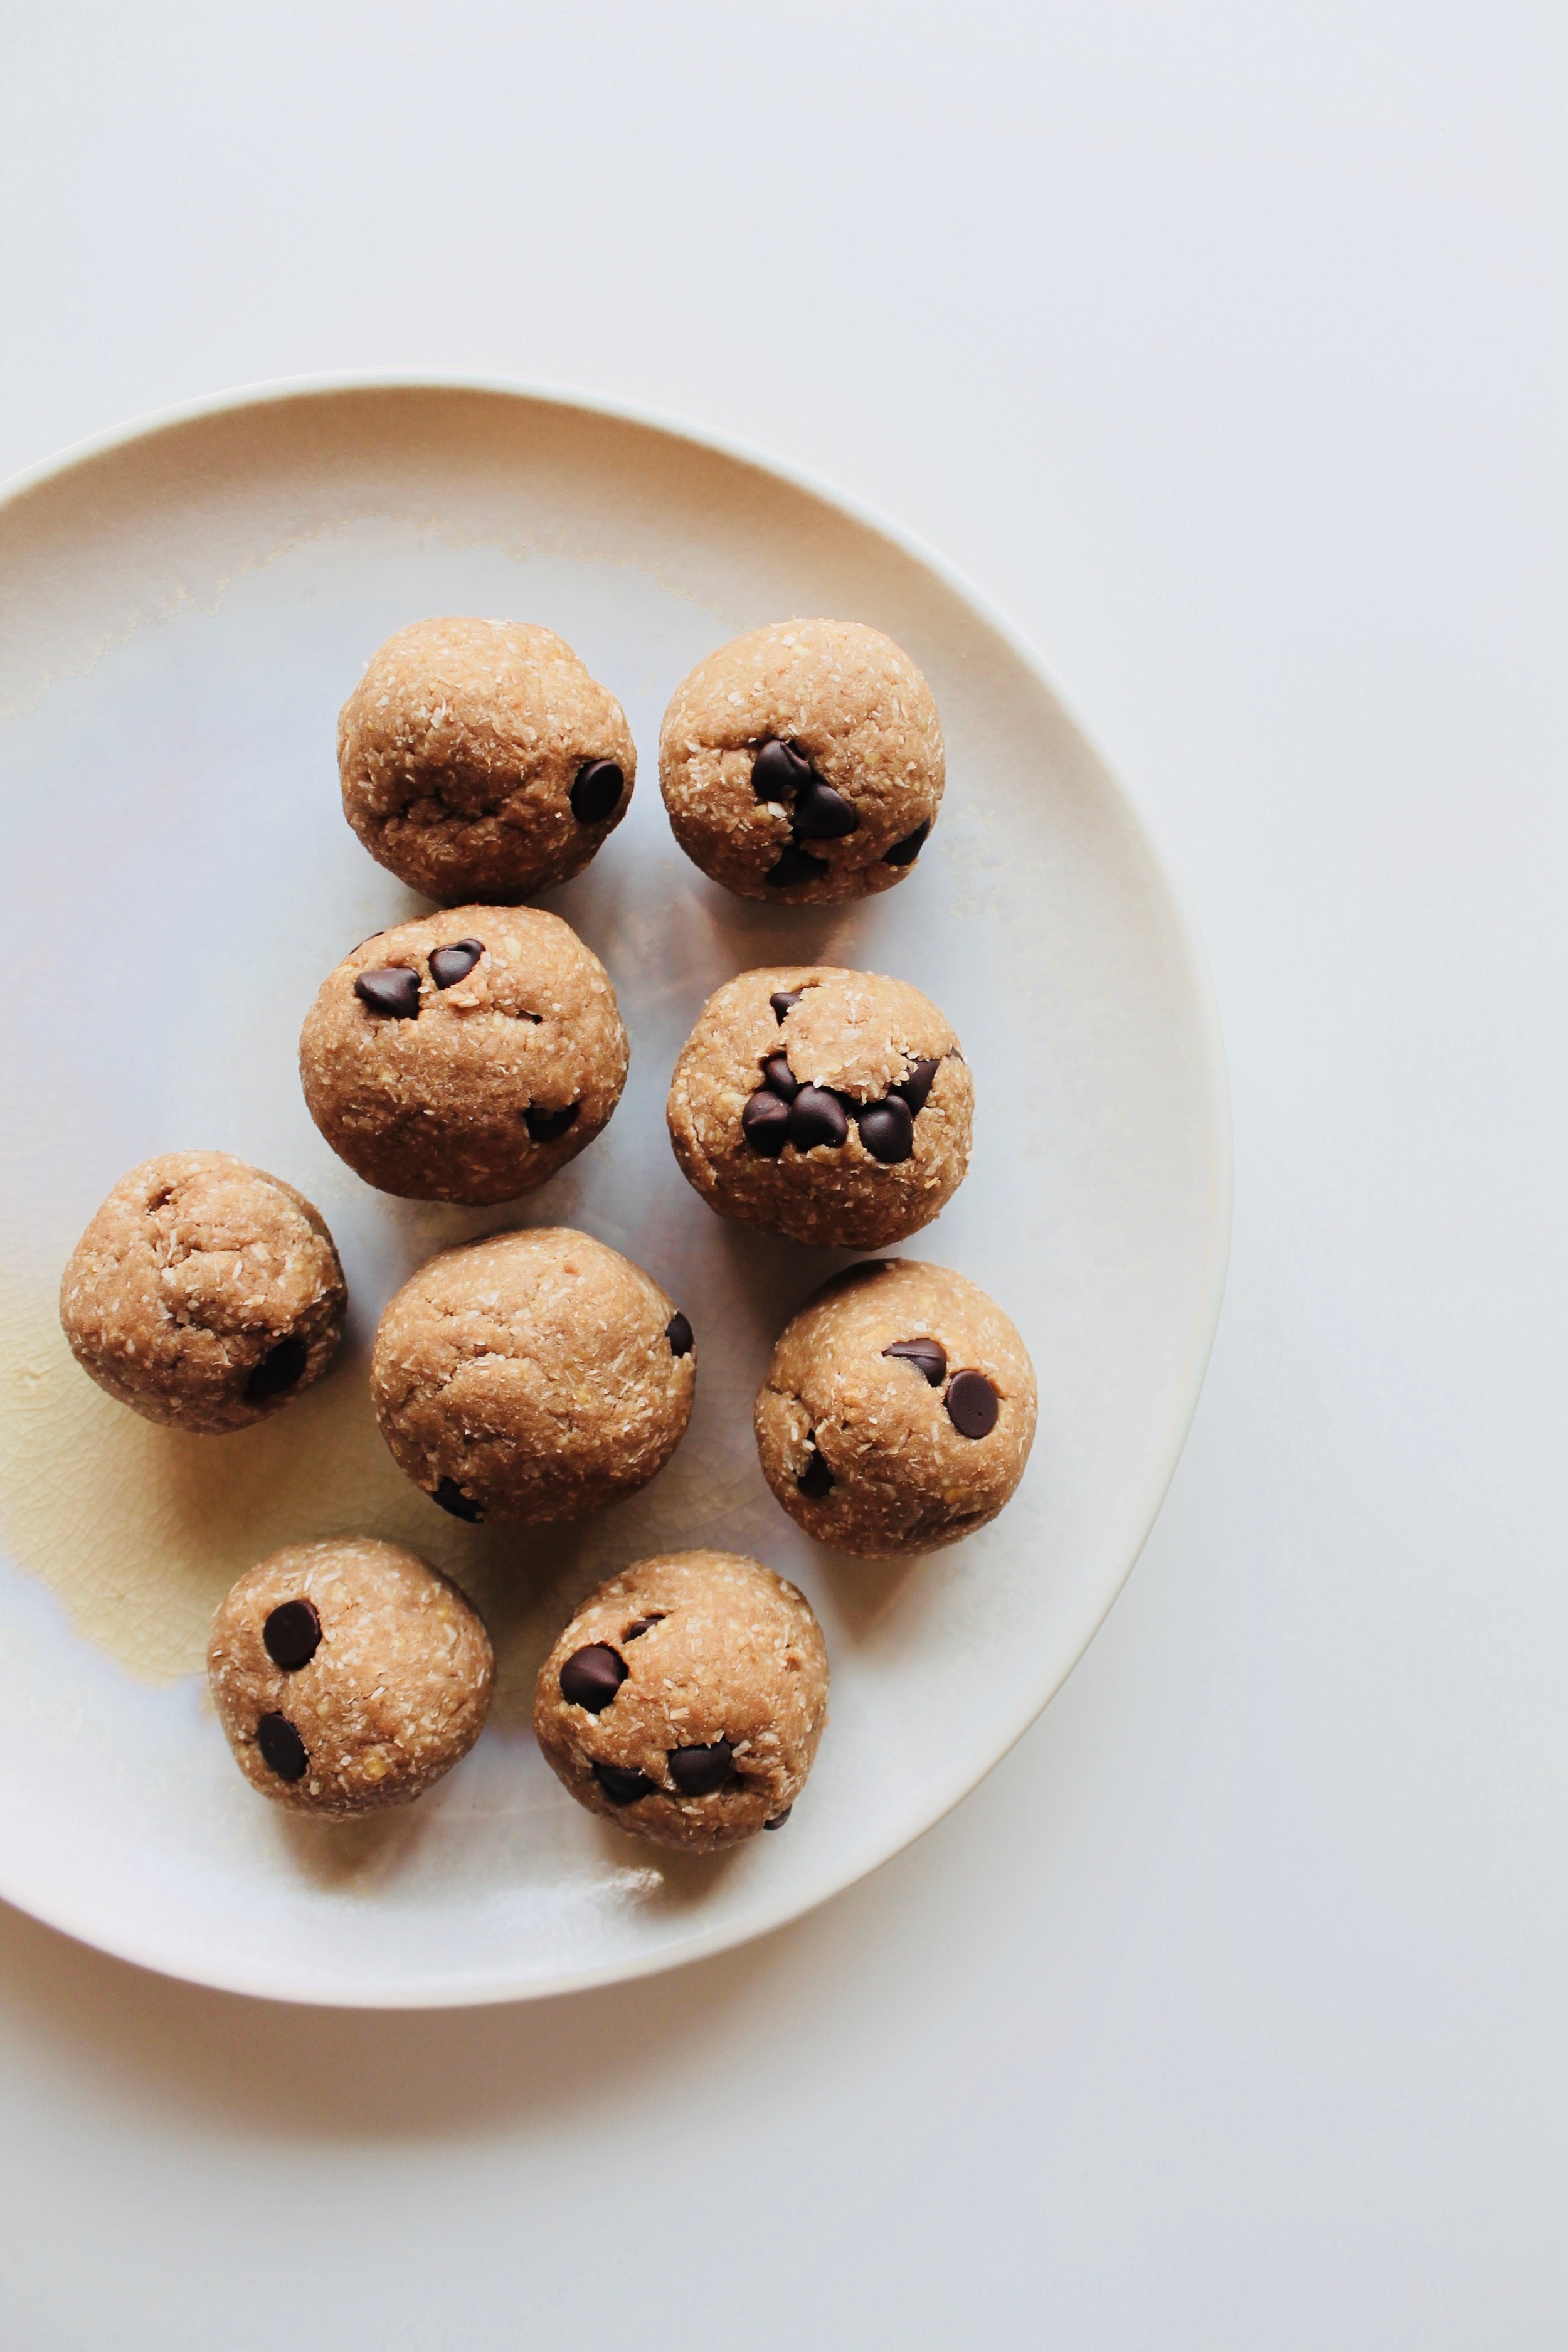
<point>1216,343</point>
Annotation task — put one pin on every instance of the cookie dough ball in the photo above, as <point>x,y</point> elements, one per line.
<point>204,1293</point>
<point>686,1699</point>
<point>479,760</point>
<point>834,1107</point>
<point>348,1676</point>
<point>465,1057</point>
<point>531,1376</point>
<point>804,762</point>
<point>898,1411</point>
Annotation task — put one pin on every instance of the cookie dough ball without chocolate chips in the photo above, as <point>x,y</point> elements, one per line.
<point>531,1376</point>
<point>348,1676</point>
<point>204,1293</point>
<point>833,1106</point>
<point>804,762</point>
<point>685,1699</point>
<point>465,1057</point>
<point>898,1411</point>
<point>479,760</point>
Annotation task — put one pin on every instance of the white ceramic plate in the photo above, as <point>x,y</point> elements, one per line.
<point>184,607</point>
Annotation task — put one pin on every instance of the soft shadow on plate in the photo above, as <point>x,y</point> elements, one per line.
<point>352,1856</point>
<point>867,1592</point>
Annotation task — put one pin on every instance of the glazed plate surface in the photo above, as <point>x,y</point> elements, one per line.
<point>182,609</point>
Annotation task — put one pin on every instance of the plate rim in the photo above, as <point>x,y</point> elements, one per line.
<point>704,1944</point>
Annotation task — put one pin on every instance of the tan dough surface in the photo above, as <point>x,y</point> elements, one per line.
<point>397,1692</point>
<point>433,1108</point>
<point>852,1032</point>
<point>904,1478</point>
<point>847,697</point>
<point>728,1651</point>
<point>458,752</point>
<point>534,1370</point>
<point>195,1269</point>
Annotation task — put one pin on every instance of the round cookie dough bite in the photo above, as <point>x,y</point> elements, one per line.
<point>348,1676</point>
<point>804,762</point>
<point>466,1056</point>
<point>204,1293</point>
<point>686,1699</point>
<point>898,1411</point>
<point>833,1106</point>
<point>480,761</point>
<point>531,1376</point>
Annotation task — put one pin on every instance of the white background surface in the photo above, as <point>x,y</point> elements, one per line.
<point>1216,343</point>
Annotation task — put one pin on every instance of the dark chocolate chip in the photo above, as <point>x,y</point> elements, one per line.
<point>784,1000</point>
<point>905,852</point>
<point>816,1117</point>
<point>779,1079</point>
<point>623,1784</point>
<point>679,1332</point>
<point>293,1634</point>
<point>917,1085</point>
<point>929,1358</point>
<point>595,791</point>
<point>279,1369</point>
<point>392,991</point>
<point>764,1123</point>
<point>449,965</point>
<point>792,867</point>
<point>822,814</point>
<point>972,1404</point>
<point>283,1749</point>
<point>451,1498</point>
<point>779,1819</point>
<point>592,1676</point>
<point>640,1625</point>
<point>888,1130</point>
<point>777,770</point>
<point>817,1479</point>
<point>546,1126</point>
<point>698,1771</point>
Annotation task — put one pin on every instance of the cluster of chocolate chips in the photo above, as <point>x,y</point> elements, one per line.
<point>394,989</point>
<point>784,1111</point>
<point>591,1678</point>
<point>783,775</point>
<point>291,1636</point>
<point>393,992</point>
<point>972,1403</point>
